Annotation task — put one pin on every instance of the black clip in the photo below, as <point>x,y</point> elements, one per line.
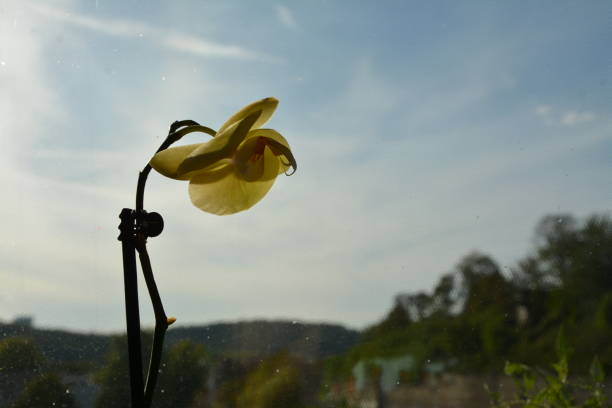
<point>148,224</point>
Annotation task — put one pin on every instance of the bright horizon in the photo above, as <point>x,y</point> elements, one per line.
<point>422,132</point>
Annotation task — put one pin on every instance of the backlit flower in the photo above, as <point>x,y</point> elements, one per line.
<point>237,167</point>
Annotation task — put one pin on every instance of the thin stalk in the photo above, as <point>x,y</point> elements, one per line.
<point>139,242</point>
<point>161,323</point>
<point>132,314</point>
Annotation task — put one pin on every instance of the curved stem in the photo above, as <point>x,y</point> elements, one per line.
<point>174,135</point>
<point>161,322</point>
<point>177,131</point>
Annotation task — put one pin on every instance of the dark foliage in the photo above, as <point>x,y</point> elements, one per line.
<point>45,391</point>
<point>477,317</point>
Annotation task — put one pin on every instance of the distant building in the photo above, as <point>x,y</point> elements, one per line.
<point>24,321</point>
<point>390,371</point>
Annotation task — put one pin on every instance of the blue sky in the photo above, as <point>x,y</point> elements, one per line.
<point>422,130</point>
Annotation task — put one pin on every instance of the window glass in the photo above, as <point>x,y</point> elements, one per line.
<point>450,211</point>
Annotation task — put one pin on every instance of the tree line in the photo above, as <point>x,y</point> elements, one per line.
<point>478,316</point>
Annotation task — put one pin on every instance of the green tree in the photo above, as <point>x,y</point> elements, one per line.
<point>20,361</point>
<point>566,280</point>
<point>483,285</point>
<point>230,376</point>
<point>488,312</point>
<point>182,375</point>
<point>114,378</point>
<point>577,259</point>
<point>19,354</point>
<point>43,392</point>
<point>396,319</point>
<point>444,295</point>
<point>279,382</point>
<point>604,313</point>
<point>477,317</point>
<point>418,305</point>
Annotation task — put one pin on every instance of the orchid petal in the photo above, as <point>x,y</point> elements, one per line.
<point>220,147</point>
<point>279,146</point>
<point>167,161</point>
<point>267,106</point>
<point>223,192</point>
<point>255,161</point>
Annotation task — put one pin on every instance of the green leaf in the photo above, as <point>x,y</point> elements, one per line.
<point>528,381</point>
<point>562,347</point>
<point>562,369</point>
<point>596,370</point>
<point>515,369</point>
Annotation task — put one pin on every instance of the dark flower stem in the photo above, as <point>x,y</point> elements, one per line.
<point>132,314</point>
<point>161,323</point>
<point>134,233</point>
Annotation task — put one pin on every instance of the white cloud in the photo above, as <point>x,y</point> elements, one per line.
<point>542,110</point>
<point>569,118</point>
<point>27,101</point>
<point>285,16</point>
<point>50,260</point>
<point>117,27</point>
<point>197,46</point>
<point>572,118</point>
<point>174,41</point>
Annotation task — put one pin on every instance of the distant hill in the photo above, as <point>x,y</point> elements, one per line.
<point>252,338</point>
<point>261,338</point>
<point>60,346</point>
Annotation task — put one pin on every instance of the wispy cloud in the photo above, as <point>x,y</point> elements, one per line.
<point>174,41</point>
<point>285,16</point>
<point>197,46</point>
<point>116,27</point>
<point>569,118</point>
<point>572,118</point>
<point>542,110</point>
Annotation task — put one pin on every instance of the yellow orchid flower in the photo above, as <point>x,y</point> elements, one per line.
<point>237,167</point>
